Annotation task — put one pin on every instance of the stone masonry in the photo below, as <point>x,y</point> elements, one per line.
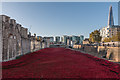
<point>1,40</point>
<point>14,39</point>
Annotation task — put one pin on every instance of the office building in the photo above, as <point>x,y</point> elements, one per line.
<point>119,13</point>
<point>81,39</point>
<point>110,17</point>
<point>114,30</point>
<point>57,39</point>
<point>108,30</point>
<point>64,39</point>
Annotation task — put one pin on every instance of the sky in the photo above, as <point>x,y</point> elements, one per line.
<point>61,18</point>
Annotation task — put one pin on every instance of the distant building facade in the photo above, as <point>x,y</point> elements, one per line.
<point>57,39</point>
<point>47,41</point>
<point>72,40</point>
<point>104,32</point>
<point>110,29</point>
<point>110,17</point>
<point>114,30</point>
<point>64,39</point>
<point>119,13</point>
<point>81,39</point>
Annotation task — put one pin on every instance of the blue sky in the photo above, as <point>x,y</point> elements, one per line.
<point>61,18</point>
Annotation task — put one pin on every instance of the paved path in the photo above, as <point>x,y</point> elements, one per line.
<point>60,63</point>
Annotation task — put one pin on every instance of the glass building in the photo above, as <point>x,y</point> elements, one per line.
<point>64,39</point>
<point>81,39</point>
<point>57,39</point>
<point>110,17</point>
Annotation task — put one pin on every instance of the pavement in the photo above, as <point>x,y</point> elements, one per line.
<point>60,63</point>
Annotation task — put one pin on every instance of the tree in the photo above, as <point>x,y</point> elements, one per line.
<point>107,39</point>
<point>116,37</point>
<point>95,36</point>
<point>113,38</point>
<point>118,34</point>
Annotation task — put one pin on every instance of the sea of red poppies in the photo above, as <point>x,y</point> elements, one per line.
<point>59,63</point>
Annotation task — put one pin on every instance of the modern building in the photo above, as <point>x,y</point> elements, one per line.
<point>110,29</point>
<point>119,13</point>
<point>110,22</point>
<point>51,39</point>
<point>114,30</point>
<point>47,41</point>
<point>57,39</point>
<point>72,40</point>
<point>64,39</point>
<point>104,32</point>
<point>81,39</point>
<point>78,39</point>
<point>110,17</point>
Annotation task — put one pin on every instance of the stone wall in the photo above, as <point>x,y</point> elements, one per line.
<point>86,48</point>
<point>90,49</point>
<point>35,44</point>
<point>44,44</point>
<point>1,40</point>
<point>15,39</point>
<point>26,47</point>
<point>6,35</point>
<point>111,53</point>
<point>102,50</point>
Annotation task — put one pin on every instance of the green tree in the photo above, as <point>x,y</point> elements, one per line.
<point>95,36</point>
